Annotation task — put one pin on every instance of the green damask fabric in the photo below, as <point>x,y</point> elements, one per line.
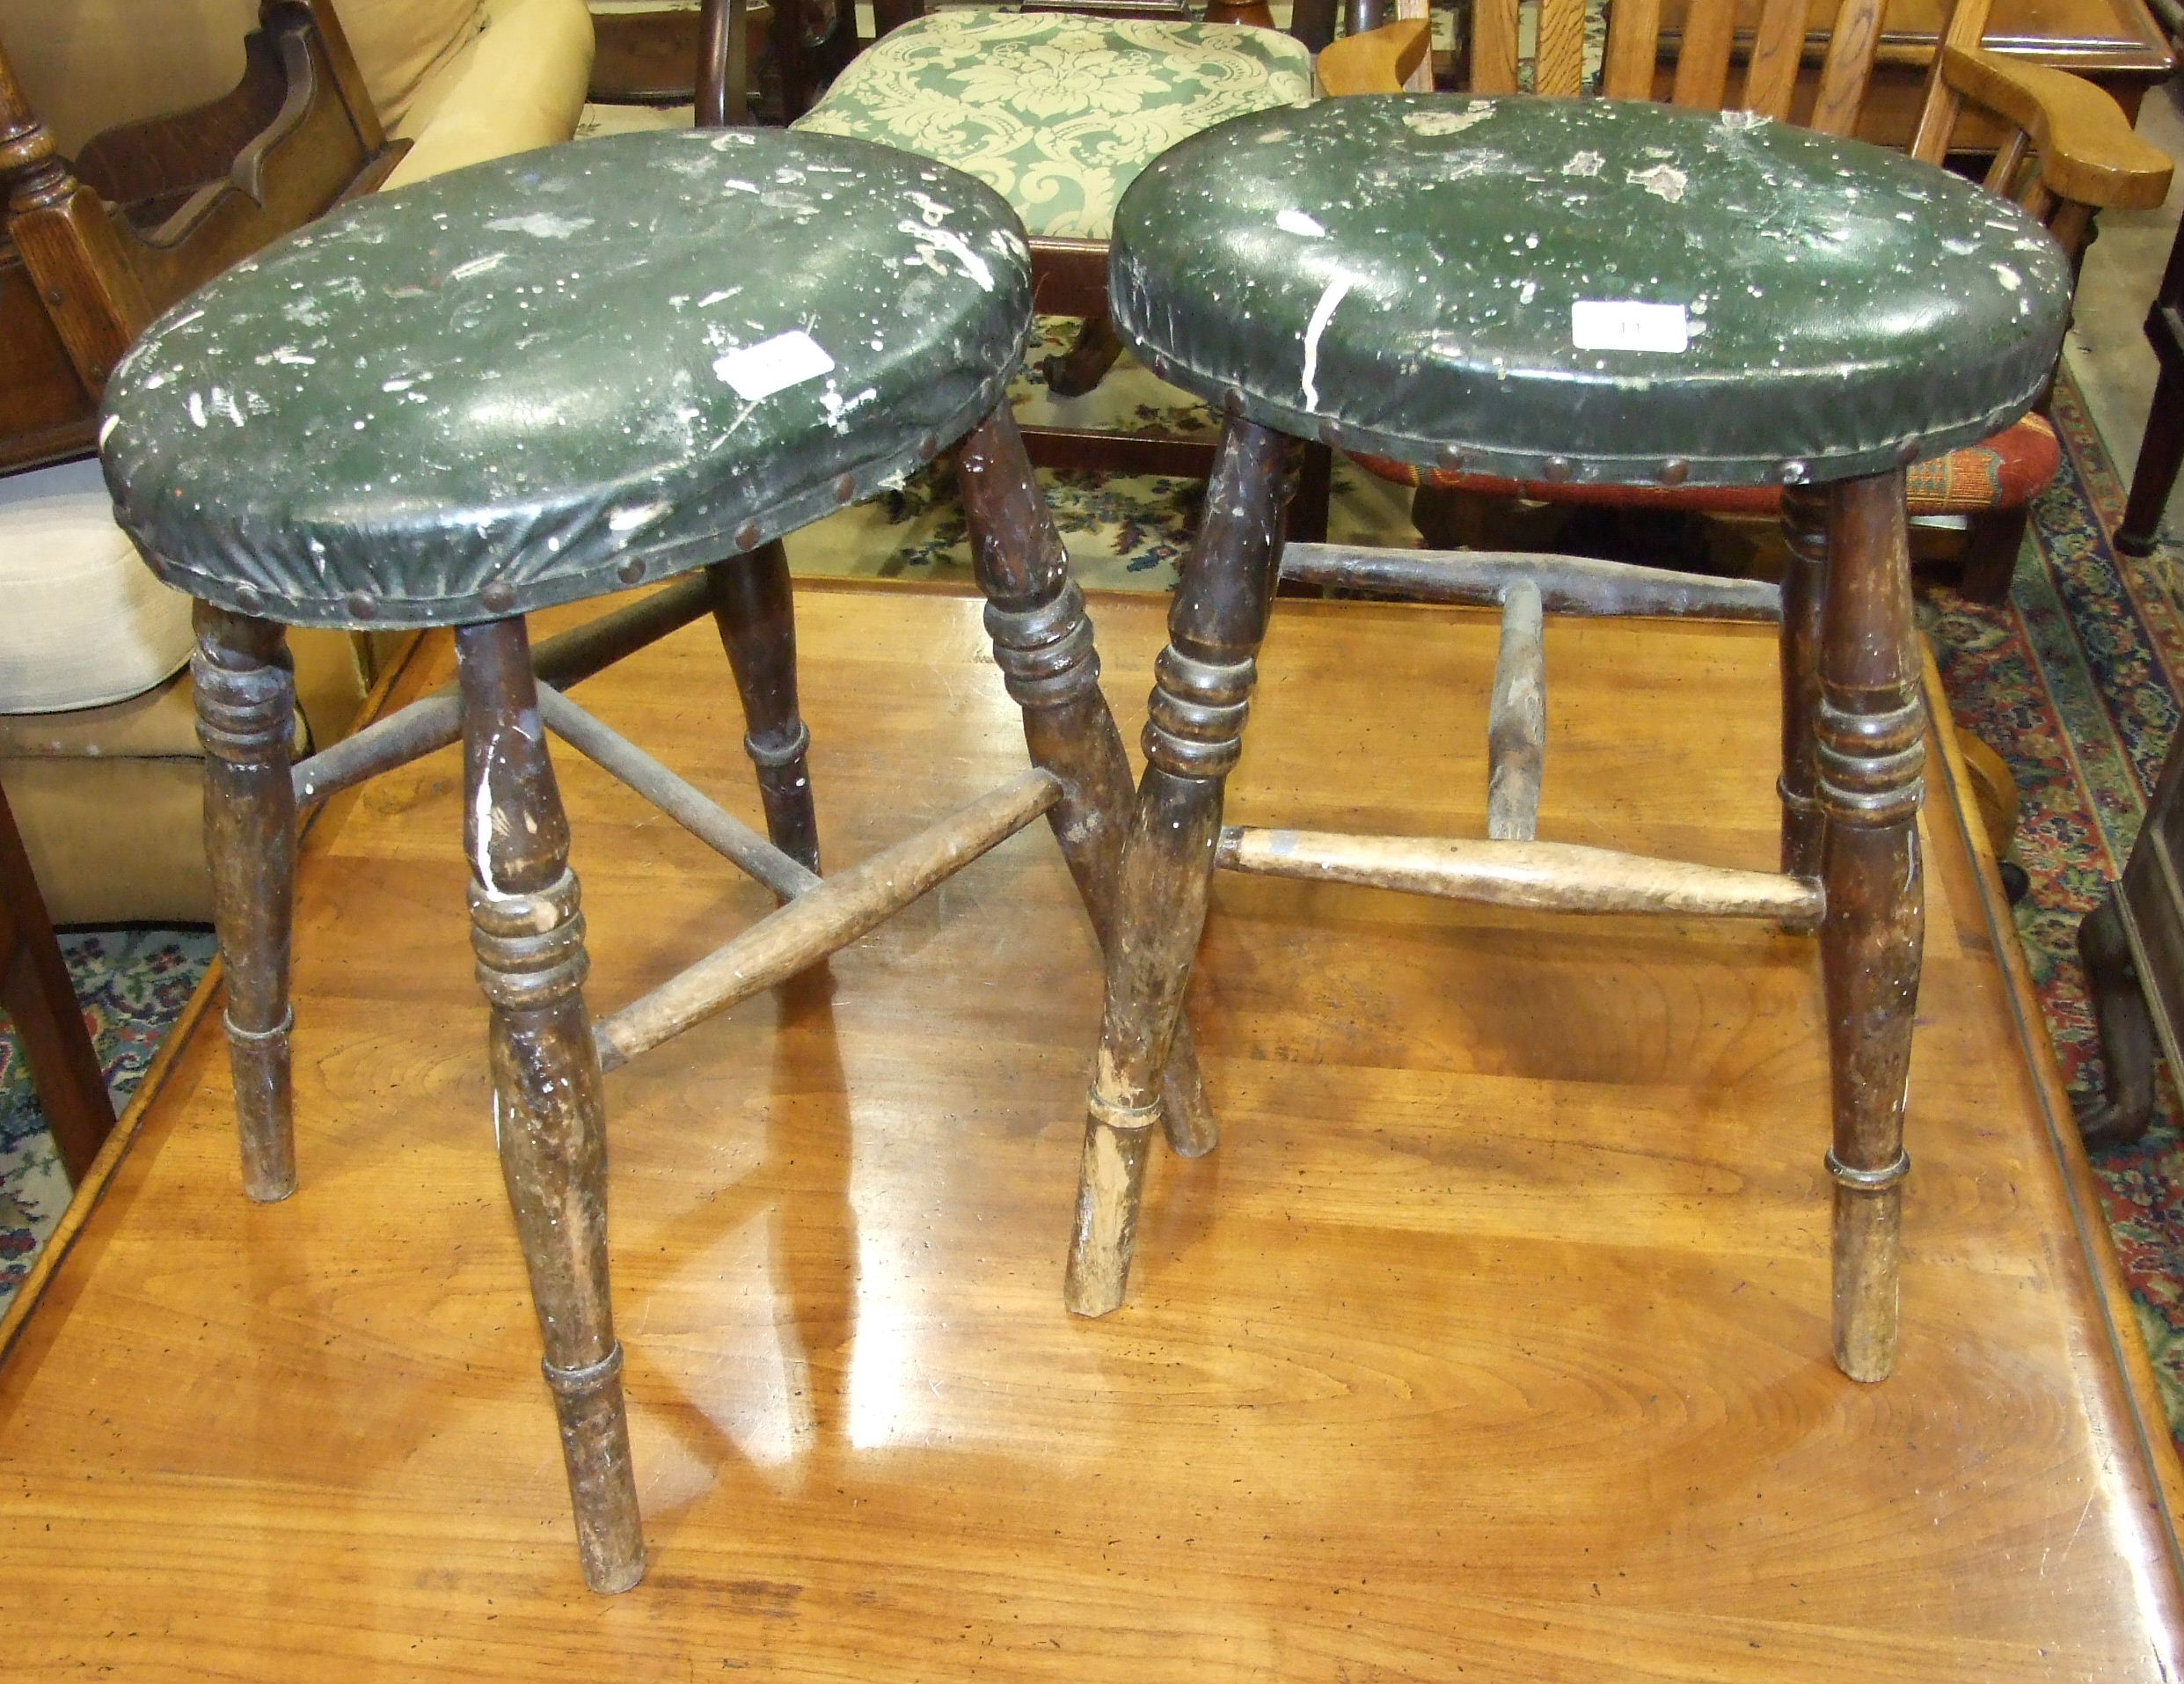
<point>1057,113</point>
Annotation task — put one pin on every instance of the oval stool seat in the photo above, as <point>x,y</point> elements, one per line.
<point>1449,282</point>
<point>564,373</point>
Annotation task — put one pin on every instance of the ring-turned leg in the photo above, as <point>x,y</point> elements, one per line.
<point>1201,692</point>
<point>245,691</point>
<point>1871,731</point>
<point>548,1115</point>
<point>1043,641</point>
<point>1804,587</point>
<point>756,615</point>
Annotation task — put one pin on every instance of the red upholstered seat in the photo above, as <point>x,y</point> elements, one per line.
<point>2004,472</point>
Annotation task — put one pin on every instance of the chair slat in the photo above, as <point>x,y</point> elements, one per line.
<point>1493,47</point>
<point>1559,63</point>
<point>1937,118</point>
<point>1633,49</point>
<point>1702,57</point>
<point>1849,67</point>
<point>1770,78</point>
<point>1421,79</point>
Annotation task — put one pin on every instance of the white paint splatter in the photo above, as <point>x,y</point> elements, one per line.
<point>477,265</point>
<point>2008,276</point>
<point>1295,222</point>
<point>1323,313</point>
<point>975,268</point>
<point>1587,163</point>
<point>1662,180</point>
<point>540,225</point>
<point>628,520</point>
<point>1448,122</point>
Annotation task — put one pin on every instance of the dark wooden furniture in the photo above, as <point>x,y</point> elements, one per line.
<point>537,399</point>
<point>2132,946</point>
<point>96,249</point>
<point>1821,369</point>
<point>35,989</point>
<point>2161,447</point>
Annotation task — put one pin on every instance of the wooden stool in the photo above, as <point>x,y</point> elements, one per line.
<point>545,379</point>
<point>1608,293</point>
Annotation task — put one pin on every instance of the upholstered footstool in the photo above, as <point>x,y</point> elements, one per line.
<point>551,378</point>
<point>1603,293</point>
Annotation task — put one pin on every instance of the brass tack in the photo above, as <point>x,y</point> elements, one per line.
<point>248,599</point>
<point>1232,400</point>
<point>844,488</point>
<point>497,597</point>
<point>631,571</point>
<point>928,446</point>
<point>361,605</point>
<point>1329,433</point>
<point>747,536</point>
<point>1557,470</point>
<point>1907,452</point>
<point>1794,473</point>
<point>1675,471</point>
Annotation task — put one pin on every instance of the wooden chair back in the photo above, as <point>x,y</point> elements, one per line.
<point>2064,147</point>
<point>98,246</point>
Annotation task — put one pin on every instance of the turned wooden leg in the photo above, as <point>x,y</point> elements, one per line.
<point>1202,690</point>
<point>2160,454</point>
<point>1804,587</point>
<point>1076,371</point>
<point>2118,1115</point>
<point>1043,641</point>
<point>246,690</point>
<point>548,1115</point>
<point>1871,727</point>
<point>752,605</point>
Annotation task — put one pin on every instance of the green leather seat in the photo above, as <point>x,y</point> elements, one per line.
<point>1448,281</point>
<point>558,374</point>
<point>1056,110</point>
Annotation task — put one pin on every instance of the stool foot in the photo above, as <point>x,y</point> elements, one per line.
<point>246,694</point>
<point>1870,733</point>
<point>753,606</point>
<point>1194,735</point>
<point>602,1479</point>
<point>1110,1185</point>
<point>549,1115</point>
<point>1043,641</point>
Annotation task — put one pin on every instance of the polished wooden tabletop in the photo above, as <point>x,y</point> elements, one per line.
<point>1493,1342</point>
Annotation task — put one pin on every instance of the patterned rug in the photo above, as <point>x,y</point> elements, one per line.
<point>133,984</point>
<point>2075,682</point>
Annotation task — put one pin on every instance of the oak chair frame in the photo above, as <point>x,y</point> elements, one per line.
<point>151,210</point>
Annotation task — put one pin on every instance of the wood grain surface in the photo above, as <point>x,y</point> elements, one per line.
<point>1492,1342</point>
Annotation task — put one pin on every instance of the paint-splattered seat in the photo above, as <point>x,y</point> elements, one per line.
<point>555,377</point>
<point>562,374</point>
<point>1595,291</point>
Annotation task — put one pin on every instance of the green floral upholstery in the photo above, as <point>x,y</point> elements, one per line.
<point>1055,111</point>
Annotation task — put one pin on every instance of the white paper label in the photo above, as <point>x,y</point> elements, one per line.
<point>1617,325</point>
<point>773,365</point>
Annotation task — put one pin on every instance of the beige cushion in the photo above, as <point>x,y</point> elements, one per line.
<point>400,44</point>
<point>86,623</point>
<point>516,85</point>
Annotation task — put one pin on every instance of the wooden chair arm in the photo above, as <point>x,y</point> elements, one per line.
<point>1379,60</point>
<point>2087,151</point>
